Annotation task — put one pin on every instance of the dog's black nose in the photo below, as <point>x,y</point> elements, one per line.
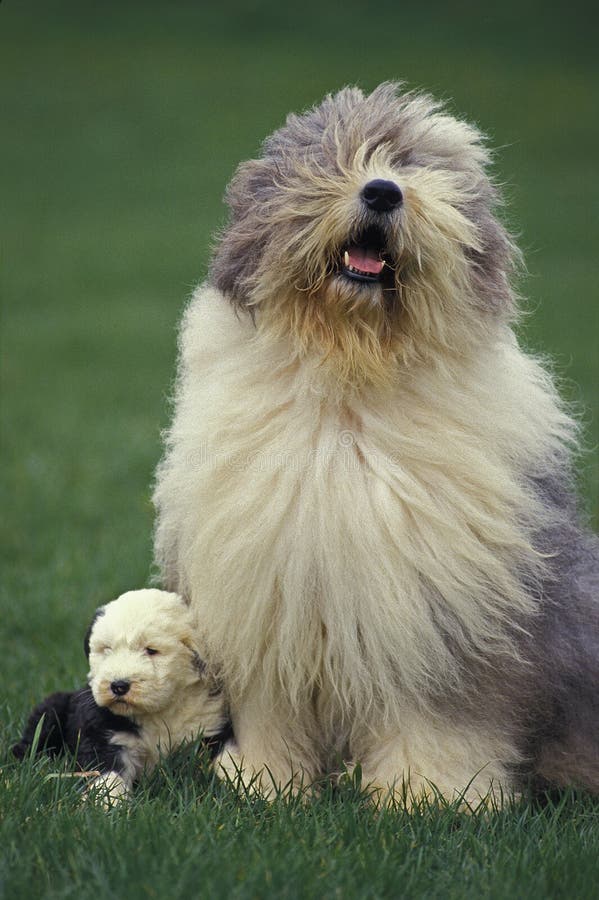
<point>120,688</point>
<point>382,195</point>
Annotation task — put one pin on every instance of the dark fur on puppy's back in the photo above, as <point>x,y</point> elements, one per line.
<point>72,721</point>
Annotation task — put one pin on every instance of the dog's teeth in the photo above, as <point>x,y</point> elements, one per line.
<point>346,258</point>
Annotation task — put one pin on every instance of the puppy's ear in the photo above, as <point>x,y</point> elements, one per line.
<point>196,660</point>
<point>99,612</point>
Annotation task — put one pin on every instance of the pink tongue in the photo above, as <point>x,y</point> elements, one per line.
<point>365,260</point>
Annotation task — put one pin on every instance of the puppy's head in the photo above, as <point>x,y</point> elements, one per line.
<point>142,653</point>
<point>366,232</point>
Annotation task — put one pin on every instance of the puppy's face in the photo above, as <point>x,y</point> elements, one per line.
<point>367,221</point>
<point>142,653</point>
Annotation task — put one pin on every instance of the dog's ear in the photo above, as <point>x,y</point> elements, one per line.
<point>196,660</point>
<point>99,612</point>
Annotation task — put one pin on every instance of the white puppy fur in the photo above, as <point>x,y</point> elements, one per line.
<point>144,646</point>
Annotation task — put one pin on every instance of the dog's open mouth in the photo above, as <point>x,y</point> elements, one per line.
<point>363,257</point>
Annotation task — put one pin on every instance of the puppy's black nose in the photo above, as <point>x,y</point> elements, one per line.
<point>381,195</point>
<point>120,688</point>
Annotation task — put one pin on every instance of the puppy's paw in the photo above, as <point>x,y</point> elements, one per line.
<point>108,790</point>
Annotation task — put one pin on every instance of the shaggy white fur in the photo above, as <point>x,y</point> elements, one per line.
<point>349,497</point>
<point>322,542</point>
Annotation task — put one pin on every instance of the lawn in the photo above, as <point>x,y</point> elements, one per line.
<point>121,124</point>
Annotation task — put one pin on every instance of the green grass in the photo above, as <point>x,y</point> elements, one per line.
<point>185,837</point>
<point>121,123</point>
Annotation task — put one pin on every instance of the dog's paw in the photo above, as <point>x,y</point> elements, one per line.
<point>107,790</point>
<point>416,794</point>
<point>256,779</point>
<point>231,766</point>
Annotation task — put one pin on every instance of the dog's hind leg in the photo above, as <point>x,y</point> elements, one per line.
<point>568,745</point>
<point>569,751</point>
<point>430,760</point>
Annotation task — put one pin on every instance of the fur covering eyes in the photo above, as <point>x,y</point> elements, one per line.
<point>366,492</point>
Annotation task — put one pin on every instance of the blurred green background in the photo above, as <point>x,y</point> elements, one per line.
<point>121,124</point>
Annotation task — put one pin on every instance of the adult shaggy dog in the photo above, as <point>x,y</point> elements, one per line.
<point>366,492</point>
<point>148,691</point>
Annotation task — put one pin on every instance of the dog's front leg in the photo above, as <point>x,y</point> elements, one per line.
<point>270,752</point>
<point>120,762</point>
<point>431,761</point>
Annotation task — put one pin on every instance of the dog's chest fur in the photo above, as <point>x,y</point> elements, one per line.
<point>347,546</point>
<point>142,749</point>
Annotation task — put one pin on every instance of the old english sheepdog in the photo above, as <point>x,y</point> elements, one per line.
<point>149,690</point>
<point>366,493</point>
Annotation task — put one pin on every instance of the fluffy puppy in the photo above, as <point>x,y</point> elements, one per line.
<point>366,491</point>
<point>148,691</point>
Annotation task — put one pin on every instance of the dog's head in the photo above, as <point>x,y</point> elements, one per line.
<point>142,653</point>
<point>366,231</point>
